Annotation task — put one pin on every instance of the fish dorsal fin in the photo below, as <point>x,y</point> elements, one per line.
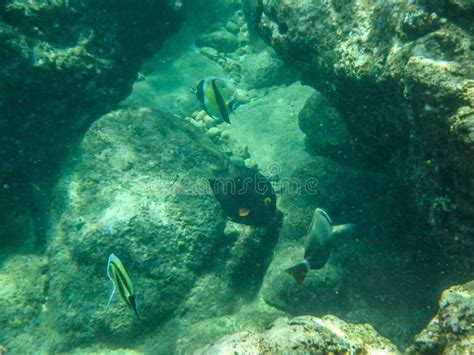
<point>313,221</point>
<point>325,215</point>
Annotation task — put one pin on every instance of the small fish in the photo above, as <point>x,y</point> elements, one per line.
<point>120,279</point>
<point>321,238</point>
<point>246,196</point>
<point>212,99</point>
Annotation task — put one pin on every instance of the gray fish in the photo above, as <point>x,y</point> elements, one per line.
<point>321,238</point>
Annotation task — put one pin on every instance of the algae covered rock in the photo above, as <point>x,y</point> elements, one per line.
<point>400,75</point>
<point>263,69</point>
<point>23,285</point>
<point>305,334</point>
<point>222,40</point>
<point>325,131</point>
<point>64,64</point>
<point>268,126</point>
<point>137,187</point>
<point>452,329</point>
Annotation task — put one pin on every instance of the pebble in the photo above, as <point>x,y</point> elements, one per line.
<point>213,132</point>
<point>209,121</point>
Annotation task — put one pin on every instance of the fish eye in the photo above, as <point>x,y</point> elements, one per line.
<point>267,201</point>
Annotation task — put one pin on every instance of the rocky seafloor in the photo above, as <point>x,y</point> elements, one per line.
<point>364,108</point>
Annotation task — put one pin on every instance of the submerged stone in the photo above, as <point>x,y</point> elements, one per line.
<point>305,334</point>
<point>137,187</point>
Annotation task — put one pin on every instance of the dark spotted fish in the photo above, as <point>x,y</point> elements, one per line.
<point>245,195</point>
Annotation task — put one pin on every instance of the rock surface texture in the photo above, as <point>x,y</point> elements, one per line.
<point>64,64</point>
<point>305,334</point>
<point>401,76</point>
<point>137,188</point>
<point>452,330</point>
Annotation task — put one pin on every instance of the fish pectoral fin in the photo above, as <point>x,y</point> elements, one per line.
<point>298,272</point>
<point>342,229</point>
<point>244,212</point>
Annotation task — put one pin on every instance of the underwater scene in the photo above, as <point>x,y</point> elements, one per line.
<point>236,177</point>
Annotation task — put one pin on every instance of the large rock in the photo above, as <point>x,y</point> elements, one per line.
<point>400,74</point>
<point>64,64</point>
<point>268,126</point>
<point>305,334</point>
<point>136,187</point>
<point>326,133</point>
<point>23,285</point>
<point>452,330</point>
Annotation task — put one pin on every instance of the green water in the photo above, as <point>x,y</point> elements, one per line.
<point>133,181</point>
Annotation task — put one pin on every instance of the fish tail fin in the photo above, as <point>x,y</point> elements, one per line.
<point>299,271</point>
<point>342,229</point>
<point>232,105</point>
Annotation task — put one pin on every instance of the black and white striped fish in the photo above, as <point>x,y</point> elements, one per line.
<point>121,281</point>
<point>213,100</point>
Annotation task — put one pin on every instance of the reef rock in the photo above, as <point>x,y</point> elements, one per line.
<point>326,133</point>
<point>452,330</point>
<point>23,285</point>
<point>64,64</point>
<point>263,69</point>
<point>137,187</point>
<point>400,74</point>
<point>305,334</point>
<point>222,40</point>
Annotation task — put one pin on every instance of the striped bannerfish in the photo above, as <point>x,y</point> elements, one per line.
<point>212,101</point>
<point>120,280</point>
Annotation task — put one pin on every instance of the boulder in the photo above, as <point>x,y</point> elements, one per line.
<point>222,40</point>
<point>326,133</point>
<point>305,334</point>
<point>64,64</point>
<point>23,285</point>
<point>137,187</point>
<point>268,126</point>
<point>264,69</point>
<point>451,331</point>
<point>400,75</point>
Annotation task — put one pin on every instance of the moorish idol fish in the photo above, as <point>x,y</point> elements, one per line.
<point>121,281</point>
<point>212,99</point>
<point>246,196</point>
<point>321,238</point>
